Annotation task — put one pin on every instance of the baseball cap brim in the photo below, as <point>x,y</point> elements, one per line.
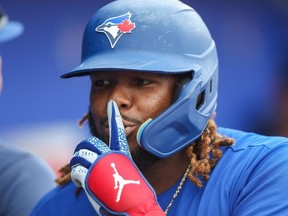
<point>117,60</point>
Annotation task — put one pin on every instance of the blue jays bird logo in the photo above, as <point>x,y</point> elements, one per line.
<point>115,27</point>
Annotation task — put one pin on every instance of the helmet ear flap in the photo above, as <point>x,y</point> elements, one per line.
<point>174,129</point>
<point>185,120</point>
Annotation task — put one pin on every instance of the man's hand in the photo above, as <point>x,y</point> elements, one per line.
<point>108,175</point>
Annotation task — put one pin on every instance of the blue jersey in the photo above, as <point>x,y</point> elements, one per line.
<point>250,179</point>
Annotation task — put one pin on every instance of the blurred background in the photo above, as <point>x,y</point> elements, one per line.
<point>39,111</point>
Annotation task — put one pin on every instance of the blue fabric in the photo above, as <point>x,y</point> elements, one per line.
<point>250,179</point>
<point>24,179</point>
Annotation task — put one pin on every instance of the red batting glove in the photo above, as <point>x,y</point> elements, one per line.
<point>109,177</point>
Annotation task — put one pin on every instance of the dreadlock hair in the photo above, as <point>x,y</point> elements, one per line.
<point>203,154</point>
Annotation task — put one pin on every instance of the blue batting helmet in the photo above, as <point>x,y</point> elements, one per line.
<point>165,37</point>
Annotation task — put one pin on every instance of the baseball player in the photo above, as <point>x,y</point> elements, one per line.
<point>155,148</point>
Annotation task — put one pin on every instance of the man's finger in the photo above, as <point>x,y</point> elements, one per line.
<point>86,154</point>
<point>117,133</point>
<point>78,175</point>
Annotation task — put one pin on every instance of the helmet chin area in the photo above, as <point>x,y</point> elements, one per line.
<point>179,125</point>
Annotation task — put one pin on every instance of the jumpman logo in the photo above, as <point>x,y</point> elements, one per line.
<point>120,182</point>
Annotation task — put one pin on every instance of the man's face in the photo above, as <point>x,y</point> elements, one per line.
<point>139,96</point>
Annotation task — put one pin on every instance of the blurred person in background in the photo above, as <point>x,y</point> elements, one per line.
<point>24,177</point>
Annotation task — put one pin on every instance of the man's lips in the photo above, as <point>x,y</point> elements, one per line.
<point>129,128</point>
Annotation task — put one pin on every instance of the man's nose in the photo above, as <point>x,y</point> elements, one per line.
<point>122,96</point>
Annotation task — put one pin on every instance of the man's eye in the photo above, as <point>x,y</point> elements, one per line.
<point>141,82</point>
<point>99,83</point>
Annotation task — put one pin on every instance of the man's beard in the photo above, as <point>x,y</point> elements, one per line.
<point>142,158</point>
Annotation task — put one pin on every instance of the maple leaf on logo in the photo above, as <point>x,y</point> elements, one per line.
<point>126,26</point>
